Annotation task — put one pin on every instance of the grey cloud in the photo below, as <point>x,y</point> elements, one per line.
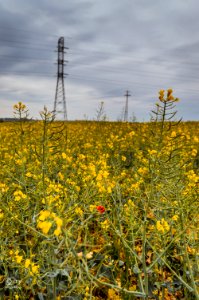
<point>138,45</point>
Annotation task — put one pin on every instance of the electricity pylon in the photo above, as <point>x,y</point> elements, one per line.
<point>60,110</point>
<point>127,95</point>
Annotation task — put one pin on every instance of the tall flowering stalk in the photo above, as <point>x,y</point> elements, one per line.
<point>166,176</point>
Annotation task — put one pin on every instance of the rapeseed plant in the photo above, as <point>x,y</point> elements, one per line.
<point>99,210</point>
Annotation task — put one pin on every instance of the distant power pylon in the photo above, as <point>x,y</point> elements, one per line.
<point>127,95</point>
<point>60,110</point>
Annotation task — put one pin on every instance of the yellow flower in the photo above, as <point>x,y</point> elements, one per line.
<point>44,215</point>
<point>27,263</point>
<point>194,152</point>
<point>159,227</point>
<point>79,211</point>
<point>162,225</point>
<point>3,188</point>
<point>19,195</point>
<point>132,133</point>
<point>19,106</point>
<point>175,217</point>
<point>135,185</point>
<point>29,174</point>
<point>133,288</point>
<point>143,171</point>
<point>112,295</point>
<point>123,158</point>
<point>61,176</point>
<point>92,208</point>
<point>35,269</point>
<point>105,224</point>
<point>169,92</point>
<point>152,152</point>
<point>166,226</point>
<point>170,98</point>
<point>64,156</point>
<point>131,203</point>
<point>58,221</point>
<point>99,177</point>
<point>1,214</point>
<point>18,258</point>
<point>57,231</point>
<point>191,250</point>
<point>173,134</point>
<point>109,189</point>
<point>161,95</point>
<point>155,292</point>
<point>87,289</point>
<point>44,226</point>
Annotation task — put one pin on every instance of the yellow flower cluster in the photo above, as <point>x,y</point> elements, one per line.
<point>152,152</point>
<point>175,217</point>
<point>1,214</point>
<point>31,266</point>
<point>19,195</point>
<point>143,171</point>
<point>79,211</point>
<point>19,106</point>
<point>113,295</point>
<point>92,208</point>
<point>162,226</point>
<point>15,256</point>
<point>129,208</point>
<point>105,224</point>
<point>192,177</point>
<point>3,188</point>
<point>169,96</point>
<point>47,219</point>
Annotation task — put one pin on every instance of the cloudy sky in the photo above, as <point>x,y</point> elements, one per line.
<point>114,45</point>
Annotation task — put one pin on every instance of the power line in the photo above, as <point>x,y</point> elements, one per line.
<point>163,75</point>
<point>73,64</point>
<point>10,28</point>
<point>89,52</point>
<point>108,81</point>
<point>95,79</point>
<point>26,42</point>
<point>26,73</point>
<point>102,53</point>
<point>134,71</point>
<point>29,48</point>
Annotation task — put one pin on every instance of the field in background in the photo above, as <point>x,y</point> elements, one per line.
<point>99,210</point>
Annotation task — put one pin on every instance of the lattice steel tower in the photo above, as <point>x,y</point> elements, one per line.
<point>127,95</point>
<point>60,110</point>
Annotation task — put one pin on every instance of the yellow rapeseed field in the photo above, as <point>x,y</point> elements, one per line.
<point>99,210</point>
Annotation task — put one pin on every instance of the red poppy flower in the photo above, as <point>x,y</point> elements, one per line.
<point>100,209</point>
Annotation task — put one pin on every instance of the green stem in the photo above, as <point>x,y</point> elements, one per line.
<point>165,250</point>
<point>172,271</point>
<point>188,260</point>
<point>24,224</point>
<point>144,258</point>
